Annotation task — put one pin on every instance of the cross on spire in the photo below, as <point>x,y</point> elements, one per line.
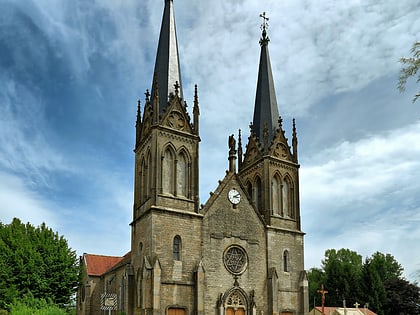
<point>264,24</point>
<point>264,38</point>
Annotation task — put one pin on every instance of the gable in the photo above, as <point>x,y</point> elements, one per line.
<point>280,147</point>
<point>253,151</point>
<point>222,218</point>
<point>175,115</point>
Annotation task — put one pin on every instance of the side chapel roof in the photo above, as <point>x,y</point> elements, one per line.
<point>97,265</point>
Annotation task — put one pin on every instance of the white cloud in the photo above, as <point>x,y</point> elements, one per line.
<point>363,195</point>
<point>17,201</point>
<point>24,147</point>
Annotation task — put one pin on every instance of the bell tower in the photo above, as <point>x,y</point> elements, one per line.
<point>269,171</point>
<point>166,224</point>
<point>269,168</point>
<point>167,140</point>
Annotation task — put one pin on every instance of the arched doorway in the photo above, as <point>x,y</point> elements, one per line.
<point>235,303</point>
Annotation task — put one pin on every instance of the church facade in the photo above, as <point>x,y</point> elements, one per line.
<point>239,253</point>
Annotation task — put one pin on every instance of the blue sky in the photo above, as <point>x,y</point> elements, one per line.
<point>71,73</point>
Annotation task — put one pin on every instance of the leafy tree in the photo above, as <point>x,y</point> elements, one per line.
<point>343,270</point>
<point>403,297</point>
<point>372,286</point>
<point>376,271</point>
<point>378,281</point>
<point>386,265</point>
<point>36,261</point>
<point>412,65</point>
<point>316,278</point>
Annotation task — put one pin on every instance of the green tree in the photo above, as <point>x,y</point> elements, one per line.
<point>378,281</point>
<point>410,69</point>
<point>403,297</point>
<point>343,270</point>
<point>378,269</point>
<point>386,265</point>
<point>316,277</point>
<point>36,261</point>
<point>373,290</point>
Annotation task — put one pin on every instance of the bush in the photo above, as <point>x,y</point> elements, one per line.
<point>32,306</point>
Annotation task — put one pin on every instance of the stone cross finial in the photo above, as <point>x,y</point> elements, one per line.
<point>176,86</point>
<point>356,305</point>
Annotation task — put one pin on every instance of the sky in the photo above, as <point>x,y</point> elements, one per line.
<point>71,73</point>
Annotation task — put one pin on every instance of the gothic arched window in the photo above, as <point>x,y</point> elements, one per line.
<point>249,189</point>
<point>285,198</point>
<point>148,173</point>
<point>168,172</point>
<point>259,195</point>
<point>143,180</point>
<point>177,247</point>
<point>182,175</point>
<point>275,194</point>
<point>286,261</point>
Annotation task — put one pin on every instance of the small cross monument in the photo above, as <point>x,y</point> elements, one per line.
<point>322,292</point>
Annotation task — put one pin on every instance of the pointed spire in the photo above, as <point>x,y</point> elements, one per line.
<point>167,66</point>
<point>294,142</point>
<point>138,124</point>
<point>155,98</point>
<point>196,111</point>
<point>266,111</point>
<point>138,120</point>
<point>240,153</point>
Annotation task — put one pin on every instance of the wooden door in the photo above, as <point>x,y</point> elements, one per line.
<point>176,311</point>
<point>231,311</point>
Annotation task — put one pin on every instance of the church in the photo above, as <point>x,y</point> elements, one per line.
<point>239,253</point>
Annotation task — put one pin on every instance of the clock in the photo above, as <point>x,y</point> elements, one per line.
<point>234,196</point>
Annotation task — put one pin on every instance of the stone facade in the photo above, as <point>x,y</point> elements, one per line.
<point>240,253</point>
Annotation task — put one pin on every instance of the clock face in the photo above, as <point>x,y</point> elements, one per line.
<point>234,196</point>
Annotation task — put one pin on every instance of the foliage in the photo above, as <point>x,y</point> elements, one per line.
<point>31,306</point>
<point>343,270</point>
<point>377,282</point>
<point>316,278</point>
<point>38,261</point>
<point>412,66</point>
<point>403,297</point>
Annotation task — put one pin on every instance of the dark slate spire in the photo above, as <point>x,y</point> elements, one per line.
<point>167,69</point>
<point>266,113</point>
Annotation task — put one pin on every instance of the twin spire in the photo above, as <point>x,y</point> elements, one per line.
<point>167,74</point>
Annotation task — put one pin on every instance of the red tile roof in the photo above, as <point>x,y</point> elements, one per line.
<point>97,265</point>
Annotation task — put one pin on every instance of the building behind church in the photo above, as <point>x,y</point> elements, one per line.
<point>242,251</point>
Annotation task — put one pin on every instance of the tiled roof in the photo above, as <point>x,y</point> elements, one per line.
<point>97,265</point>
<point>330,310</point>
<point>327,309</point>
